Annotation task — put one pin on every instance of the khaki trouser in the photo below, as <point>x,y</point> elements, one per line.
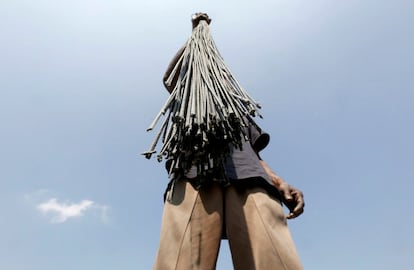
<point>255,225</point>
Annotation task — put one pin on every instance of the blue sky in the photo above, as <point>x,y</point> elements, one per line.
<point>81,80</point>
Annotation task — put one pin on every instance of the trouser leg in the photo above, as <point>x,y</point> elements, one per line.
<point>191,229</point>
<point>257,231</point>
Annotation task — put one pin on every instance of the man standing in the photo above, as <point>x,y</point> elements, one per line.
<point>247,210</point>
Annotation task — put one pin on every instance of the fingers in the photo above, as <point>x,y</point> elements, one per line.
<point>287,195</point>
<point>197,17</point>
<point>293,215</point>
<point>285,191</point>
<point>297,211</point>
<point>293,199</point>
<point>298,205</point>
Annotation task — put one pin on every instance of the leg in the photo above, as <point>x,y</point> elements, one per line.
<point>191,229</point>
<point>257,231</point>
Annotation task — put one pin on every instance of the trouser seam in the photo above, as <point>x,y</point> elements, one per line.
<point>268,234</point>
<point>185,232</point>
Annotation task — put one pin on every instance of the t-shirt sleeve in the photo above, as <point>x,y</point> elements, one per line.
<point>258,138</point>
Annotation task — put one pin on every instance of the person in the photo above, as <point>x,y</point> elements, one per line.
<point>248,212</point>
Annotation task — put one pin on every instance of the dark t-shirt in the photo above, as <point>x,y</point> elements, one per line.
<point>244,162</point>
<point>242,167</point>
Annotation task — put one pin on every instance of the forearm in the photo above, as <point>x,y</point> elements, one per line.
<point>291,197</point>
<point>170,69</point>
<point>277,181</point>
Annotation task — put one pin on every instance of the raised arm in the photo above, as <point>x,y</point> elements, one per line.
<point>195,20</point>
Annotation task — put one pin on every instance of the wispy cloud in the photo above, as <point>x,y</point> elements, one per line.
<point>61,212</point>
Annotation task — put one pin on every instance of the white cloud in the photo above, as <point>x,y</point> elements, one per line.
<point>61,212</point>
